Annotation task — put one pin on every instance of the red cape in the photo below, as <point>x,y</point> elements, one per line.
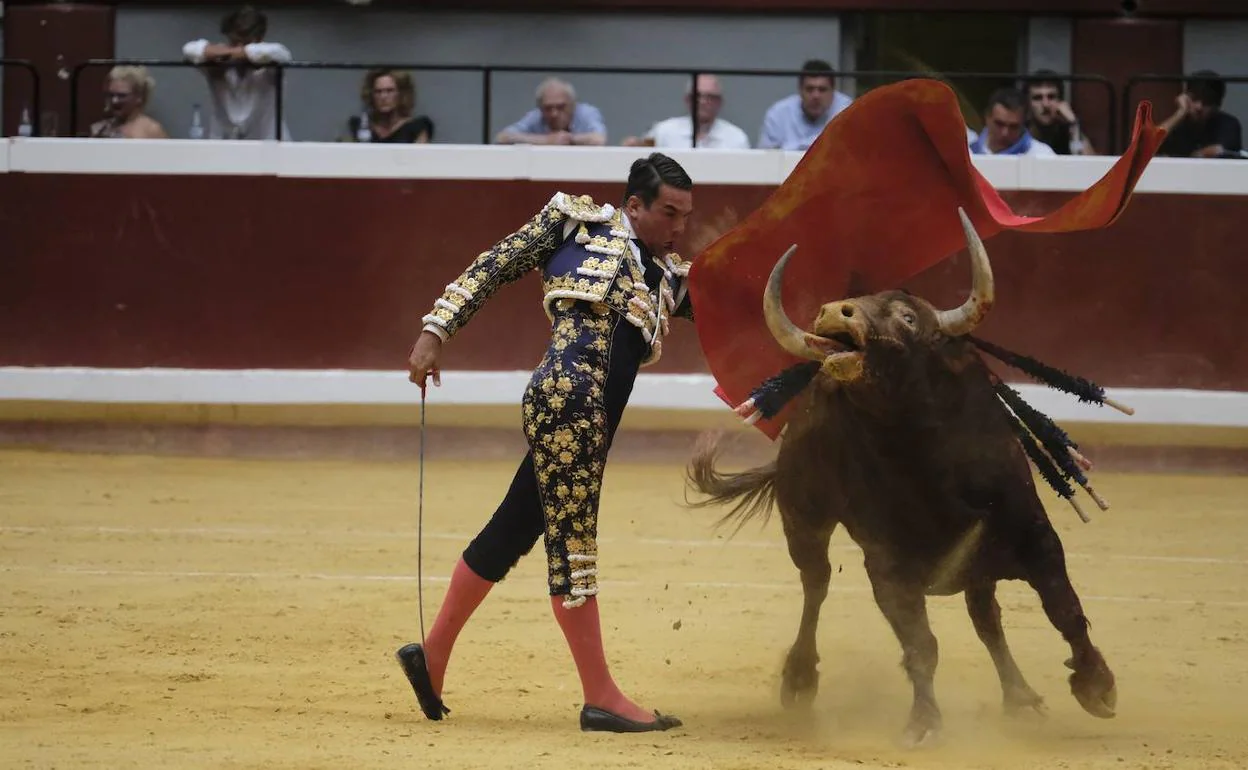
<point>874,199</point>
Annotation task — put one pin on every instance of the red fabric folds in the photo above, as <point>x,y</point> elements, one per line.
<point>872,203</point>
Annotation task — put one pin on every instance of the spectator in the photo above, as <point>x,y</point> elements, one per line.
<point>126,93</point>
<point>1004,130</point>
<point>713,132</point>
<point>558,119</point>
<point>244,97</point>
<point>795,122</point>
<point>389,98</point>
<point>1199,128</point>
<point>1052,120</point>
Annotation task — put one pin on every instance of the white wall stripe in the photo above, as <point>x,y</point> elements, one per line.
<point>600,164</point>
<point>142,156</point>
<point>479,388</point>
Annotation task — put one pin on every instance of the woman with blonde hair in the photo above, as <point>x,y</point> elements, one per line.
<point>127,90</point>
<point>389,98</point>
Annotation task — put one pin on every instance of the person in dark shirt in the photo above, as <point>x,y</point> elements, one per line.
<point>389,98</point>
<point>1199,128</point>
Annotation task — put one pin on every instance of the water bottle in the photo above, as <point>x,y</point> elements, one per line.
<point>197,123</point>
<point>24,128</point>
<point>363,134</point>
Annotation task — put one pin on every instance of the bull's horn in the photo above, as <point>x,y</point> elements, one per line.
<point>791,338</point>
<point>965,318</point>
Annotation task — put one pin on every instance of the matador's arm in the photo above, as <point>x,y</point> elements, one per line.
<point>508,260</point>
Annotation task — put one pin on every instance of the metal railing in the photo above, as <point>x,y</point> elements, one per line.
<point>35,90</point>
<point>1158,115</point>
<point>487,73</point>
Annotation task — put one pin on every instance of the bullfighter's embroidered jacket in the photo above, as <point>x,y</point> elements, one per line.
<point>583,251</point>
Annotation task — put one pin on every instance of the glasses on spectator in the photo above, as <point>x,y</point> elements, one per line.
<point>118,96</point>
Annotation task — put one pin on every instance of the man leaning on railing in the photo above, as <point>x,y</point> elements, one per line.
<point>244,91</point>
<point>558,119</point>
<point>1199,128</point>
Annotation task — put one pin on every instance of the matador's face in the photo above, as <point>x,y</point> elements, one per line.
<point>661,224</point>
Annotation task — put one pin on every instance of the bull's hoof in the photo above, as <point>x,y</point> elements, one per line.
<point>923,729</point>
<point>799,693</point>
<point>1099,704</point>
<point>920,736</point>
<point>1022,702</point>
<point>1095,690</point>
<point>799,685</point>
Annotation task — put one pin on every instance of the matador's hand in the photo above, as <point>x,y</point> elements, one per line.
<point>423,360</point>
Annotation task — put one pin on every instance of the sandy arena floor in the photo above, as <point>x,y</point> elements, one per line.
<point>215,613</point>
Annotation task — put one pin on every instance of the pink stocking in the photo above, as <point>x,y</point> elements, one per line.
<point>467,591</point>
<point>583,630</point>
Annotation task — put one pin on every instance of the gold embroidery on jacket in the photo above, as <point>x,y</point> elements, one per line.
<point>507,261</point>
<point>600,278</point>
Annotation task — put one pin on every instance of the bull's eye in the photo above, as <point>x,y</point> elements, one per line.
<point>908,317</point>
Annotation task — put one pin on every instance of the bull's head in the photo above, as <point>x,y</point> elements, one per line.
<point>845,332</point>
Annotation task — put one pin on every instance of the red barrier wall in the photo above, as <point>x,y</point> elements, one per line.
<point>268,272</point>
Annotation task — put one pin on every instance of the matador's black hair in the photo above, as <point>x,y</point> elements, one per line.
<point>648,174</point>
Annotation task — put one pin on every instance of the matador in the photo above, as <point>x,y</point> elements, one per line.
<point>611,282</point>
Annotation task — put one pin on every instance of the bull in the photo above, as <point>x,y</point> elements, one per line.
<point>900,438</point>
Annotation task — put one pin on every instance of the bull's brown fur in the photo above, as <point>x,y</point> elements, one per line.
<point>918,461</point>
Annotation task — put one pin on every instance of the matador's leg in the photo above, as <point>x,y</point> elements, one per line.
<point>512,531</point>
<point>569,428</point>
<point>566,425</point>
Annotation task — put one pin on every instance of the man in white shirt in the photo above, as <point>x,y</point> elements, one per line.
<point>713,132</point>
<point>244,93</point>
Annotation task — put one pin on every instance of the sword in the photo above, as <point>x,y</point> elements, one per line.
<point>411,657</point>
<point>420,521</point>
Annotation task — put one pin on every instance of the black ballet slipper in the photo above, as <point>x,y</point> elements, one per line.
<point>601,720</point>
<point>412,658</point>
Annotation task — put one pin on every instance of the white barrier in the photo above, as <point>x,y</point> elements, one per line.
<point>270,387</point>
<point>607,164</point>
<point>310,160</point>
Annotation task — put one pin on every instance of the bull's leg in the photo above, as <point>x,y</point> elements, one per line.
<point>905,607</point>
<point>1092,682</point>
<point>808,548</point>
<point>981,605</point>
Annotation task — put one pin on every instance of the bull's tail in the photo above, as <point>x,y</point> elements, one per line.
<point>754,490</point>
